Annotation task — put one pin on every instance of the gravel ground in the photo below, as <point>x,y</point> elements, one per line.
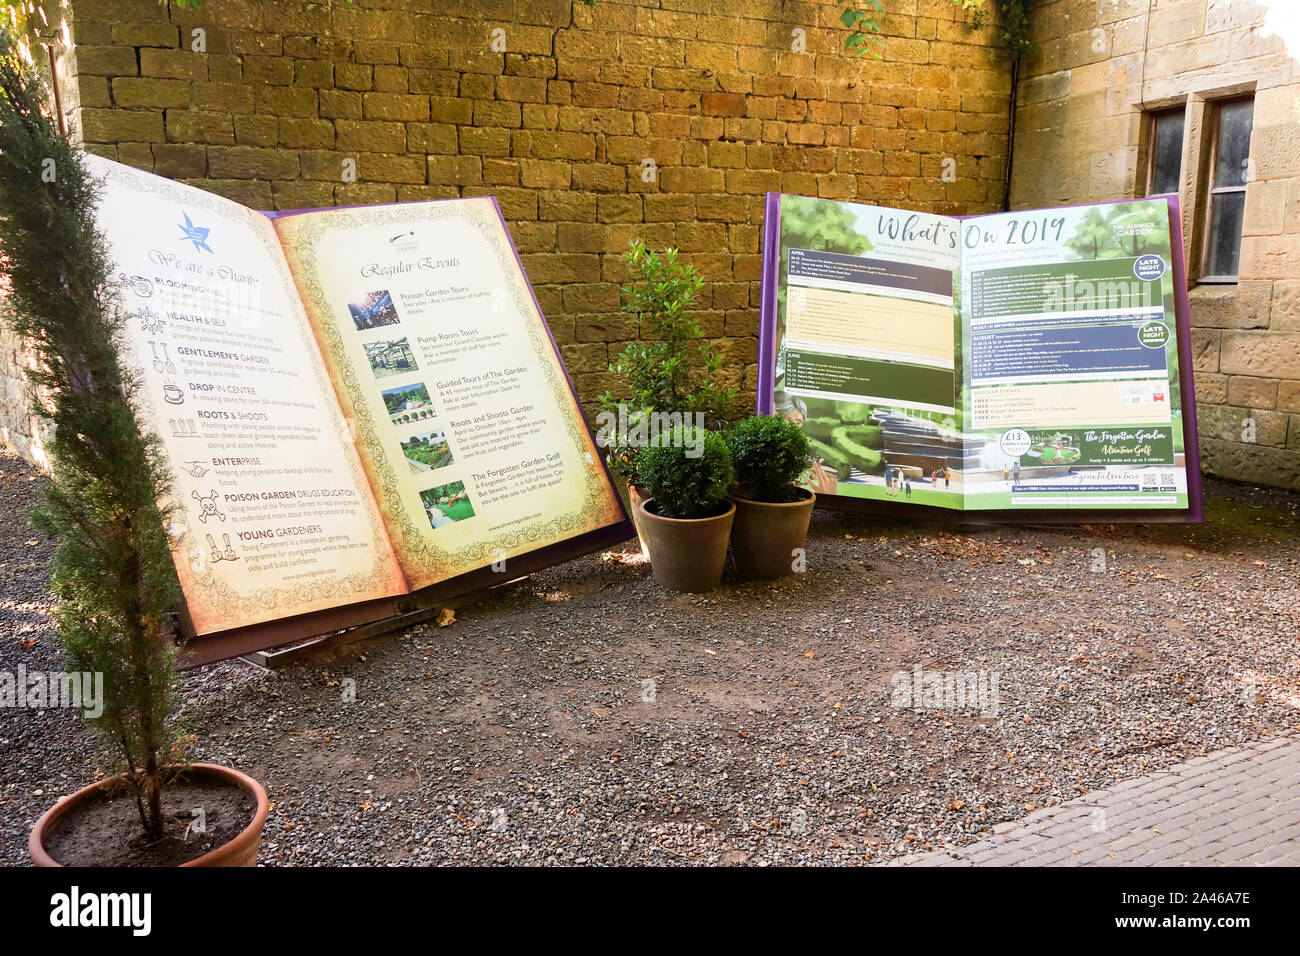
<point>588,716</point>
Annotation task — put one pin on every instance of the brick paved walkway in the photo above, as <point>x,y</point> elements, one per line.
<point>1237,807</point>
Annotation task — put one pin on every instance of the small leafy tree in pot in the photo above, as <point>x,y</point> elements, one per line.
<point>112,573</point>
<point>674,370</point>
<point>768,454</point>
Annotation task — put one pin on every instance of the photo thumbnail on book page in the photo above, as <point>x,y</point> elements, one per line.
<point>274,515</point>
<point>464,416</point>
<point>865,348</point>
<point>1071,387</point>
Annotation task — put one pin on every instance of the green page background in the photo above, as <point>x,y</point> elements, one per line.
<point>1088,238</point>
<point>844,437</point>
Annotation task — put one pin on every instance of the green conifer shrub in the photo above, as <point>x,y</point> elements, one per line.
<point>112,573</point>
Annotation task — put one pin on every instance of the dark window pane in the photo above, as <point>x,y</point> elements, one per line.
<point>1235,120</point>
<point>1166,152</point>
<point>1225,234</point>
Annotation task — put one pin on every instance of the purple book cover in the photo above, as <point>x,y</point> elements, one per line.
<point>767,351</point>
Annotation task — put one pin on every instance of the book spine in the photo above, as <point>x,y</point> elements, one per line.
<point>767,318</point>
<point>1182,313</point>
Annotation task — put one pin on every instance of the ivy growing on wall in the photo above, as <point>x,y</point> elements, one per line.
<point>1015,31</point>
<point>864,29</point>
<point>865,32</point>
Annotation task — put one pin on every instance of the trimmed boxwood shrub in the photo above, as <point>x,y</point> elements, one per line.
<point>684,483</point>
<point>768,455</point>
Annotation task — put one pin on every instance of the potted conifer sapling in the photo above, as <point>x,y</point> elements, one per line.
<point>687,518</point>
<point>768,455</point>
<point>112,574</point>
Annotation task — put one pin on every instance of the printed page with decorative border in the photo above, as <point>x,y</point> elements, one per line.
<point>461,408</point>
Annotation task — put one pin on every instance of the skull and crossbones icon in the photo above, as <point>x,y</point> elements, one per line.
<point>208,504</point>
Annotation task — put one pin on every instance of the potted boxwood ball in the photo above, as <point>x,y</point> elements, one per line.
<point>687,518</point>
<point>768,454</point>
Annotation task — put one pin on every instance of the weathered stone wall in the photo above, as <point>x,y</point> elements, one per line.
<point>557,125</point>
<point>19,429</point>
<point>1079,138</point>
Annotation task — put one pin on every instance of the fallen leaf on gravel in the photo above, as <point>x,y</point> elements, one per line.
<point>32,543</point>
<point>809,654</point>
<point>31,642</point>
<point>445,617</point>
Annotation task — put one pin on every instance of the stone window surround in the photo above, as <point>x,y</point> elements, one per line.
<point>1194,189</point>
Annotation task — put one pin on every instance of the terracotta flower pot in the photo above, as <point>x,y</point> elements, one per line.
<point>689,553</point>
<point>766,534</point>
<point>635,496</point>
<point>241,851</point>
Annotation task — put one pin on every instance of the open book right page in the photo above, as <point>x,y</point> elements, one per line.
<point>463,415</point>
<point>1070,392</point>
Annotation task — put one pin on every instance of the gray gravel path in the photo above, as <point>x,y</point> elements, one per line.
<point>591,717</point>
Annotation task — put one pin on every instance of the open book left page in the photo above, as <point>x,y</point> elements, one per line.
<point>859,346</point>
<point>275,516</point>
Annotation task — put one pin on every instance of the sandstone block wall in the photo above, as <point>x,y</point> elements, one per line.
<point>556,107</point>
<point>1080,137</point>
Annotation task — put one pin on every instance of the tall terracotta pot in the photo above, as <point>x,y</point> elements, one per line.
<point>766,534</point>
<point>688,553</point>
<point>241,851</point>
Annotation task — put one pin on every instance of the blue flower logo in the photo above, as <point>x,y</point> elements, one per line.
<point>195,234</point>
